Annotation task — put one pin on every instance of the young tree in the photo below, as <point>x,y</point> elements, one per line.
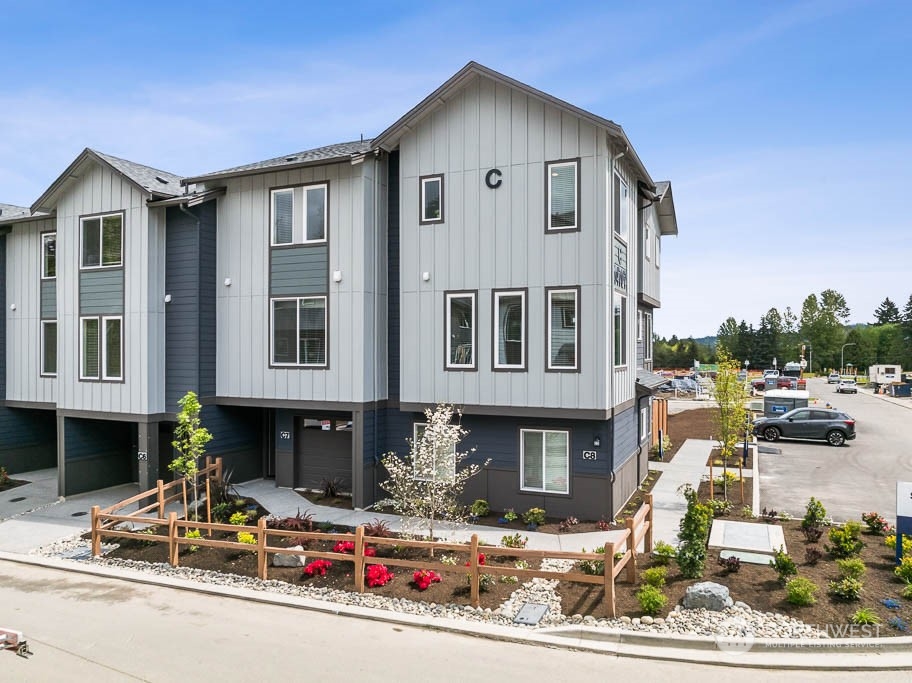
<point>425,485</point>
<point>731,419</point>
<point>886,313</point>
<point>190,439</point>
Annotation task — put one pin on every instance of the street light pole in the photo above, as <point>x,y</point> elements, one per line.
<point>842,355</point>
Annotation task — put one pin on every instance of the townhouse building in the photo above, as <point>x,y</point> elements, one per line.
<point>495,248</point>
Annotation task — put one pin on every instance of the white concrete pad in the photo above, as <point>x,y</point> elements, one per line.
<point>752,537</point>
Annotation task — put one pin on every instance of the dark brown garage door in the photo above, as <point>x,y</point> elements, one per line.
<point>322,455</point>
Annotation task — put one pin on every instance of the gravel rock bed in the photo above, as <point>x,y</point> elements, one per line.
<point>737,621</point>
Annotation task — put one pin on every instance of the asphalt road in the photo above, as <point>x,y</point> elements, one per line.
<point>858,477</point>
<point>85,628</point>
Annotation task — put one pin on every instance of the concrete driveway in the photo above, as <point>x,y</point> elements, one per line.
<point>858,477</point>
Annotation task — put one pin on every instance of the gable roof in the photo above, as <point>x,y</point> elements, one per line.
<point>150,180</point>
<point>12,211</point>
<point>342,151</point>
<point>388,139</point>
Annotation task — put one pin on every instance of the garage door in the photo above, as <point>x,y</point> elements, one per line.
<point>322,454</point>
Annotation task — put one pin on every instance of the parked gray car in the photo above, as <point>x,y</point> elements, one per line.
<point>819,424</point>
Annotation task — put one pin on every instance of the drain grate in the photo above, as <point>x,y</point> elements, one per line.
<point>82,513</point>
<point>16,500</point>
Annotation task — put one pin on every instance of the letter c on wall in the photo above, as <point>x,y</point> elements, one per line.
<point>493,178</point>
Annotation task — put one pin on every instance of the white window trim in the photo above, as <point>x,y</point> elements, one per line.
<point>305,189</point>
<point>415,426</point>
<point>658,249</point>
<point>44,372</point>
<point>576,339</point>
<point>640,315</point>
<point>648,240</point>
<point>497,321</point>
<point>647,334</point>
<point>298,300</point>
<point>522,460</point>
<point>576,196</point>
<point>272,217</point>
<point>425,180</point>
<point>449,333</point>
<point>644,423</point>
<point>100,218</point>
<point>625,355</point>
<point>103,335</point>
<point>44,238</point>
<point>82,373</point>
<point>624,211</point>
<point>299,228</point>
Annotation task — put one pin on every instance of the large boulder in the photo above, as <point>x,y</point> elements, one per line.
<point>707,595</point>
<point>287,560</point>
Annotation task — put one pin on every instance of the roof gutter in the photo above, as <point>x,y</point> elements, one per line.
<point>267,169</point>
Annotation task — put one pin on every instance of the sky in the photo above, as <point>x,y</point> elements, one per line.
<point>782,126</point>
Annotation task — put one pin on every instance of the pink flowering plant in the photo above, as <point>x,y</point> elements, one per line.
<point>876,523</point>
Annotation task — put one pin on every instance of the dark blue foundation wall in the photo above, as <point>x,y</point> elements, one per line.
<point>28,439</point>
<point>99,453</point>
<point>237,437</point>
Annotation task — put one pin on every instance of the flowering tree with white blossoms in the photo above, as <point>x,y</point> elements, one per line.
<point>425,484</point>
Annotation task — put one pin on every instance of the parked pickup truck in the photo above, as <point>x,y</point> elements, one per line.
<point>781,383</point>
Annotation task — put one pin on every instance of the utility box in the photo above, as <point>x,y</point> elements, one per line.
<point>779,401</point>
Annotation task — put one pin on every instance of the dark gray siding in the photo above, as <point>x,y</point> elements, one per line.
<point>393,277</point>
<point>2,317</point>
<point>237,435</point>
<point>49,299</point>
<point>98,454</point>
<point>299,270</point>
<point>28,439</point>
<point>207,284</point>
<point>101,292</point>
<point>626,437</point>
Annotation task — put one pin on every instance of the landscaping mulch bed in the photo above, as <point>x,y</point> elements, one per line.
<point>698,423</point>
<point>317,498</point>
<point>11,484</point>
<point>734,493</point>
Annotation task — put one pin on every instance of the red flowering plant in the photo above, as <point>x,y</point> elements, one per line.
<point>349,547</point>
<point>481,560</point>
<point>378,575</point>
<point>423,578</point>
<point>317,567</point>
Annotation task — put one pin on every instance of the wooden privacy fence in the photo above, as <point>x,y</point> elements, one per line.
<point>659,418</point>
<point>639,528</point>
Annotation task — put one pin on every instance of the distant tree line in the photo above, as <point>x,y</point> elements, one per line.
<point>820,331</point>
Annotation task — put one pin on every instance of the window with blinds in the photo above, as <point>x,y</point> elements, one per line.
<point>563,195</point>
<point>563,332</point>
<point>102,241</point>
<point>299,214</point>
<point>101,348</point>
<point>545,460</point>
<point>90,349</point>
<point>298,332</point>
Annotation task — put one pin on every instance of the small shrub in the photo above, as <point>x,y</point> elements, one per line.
<point>730,564</point>
<point>890,542</point>
<point>423,578</point>
<point>846,589</point>
<point>800,591</point>
<point>719,507</point>
<point>534,516</point>
<point>378,529</point>
<point>4,476</point>
<point>784,516</point>
<point>301,522</point>
<point>246,537</point>
<point>594,567</point>
<point>899,624</point>
<point>851,568</point>
<point>326,527</point>
<point>891,603</point>
<point>812,556</point>
<point>221,511</point>
<point>845,540</point>
<point>693,532</point>
<point>864,616</point>
<point>770,516</point>
<point>192,533</point>
<point>486,582</point>
<point>317,567</point>
<point>655,576</point>
<point>904,570</point>
<point>727,480</point>
<point>666,446</point>
<point>876,523</point>
<point>449,560</point>
<point>651,599</point>
<point>907,592</point>
<point>378,575</point>
<point>812,534</point>
<point>514,541</point>
<point>238,518</point>
<point>510,515</point>
<point>783,565</point>
<point>567,524</point>
<point>480,508</point>
<point>603,525</point>
<point>814,514</point>
<point>663,552</point>
<point>330,488</point>
<point>747,512</point>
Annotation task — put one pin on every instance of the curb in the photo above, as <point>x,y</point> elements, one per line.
<point>867,654</point>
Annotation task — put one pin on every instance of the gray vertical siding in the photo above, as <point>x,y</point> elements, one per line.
<point>298,270</point>
<point>101,292</point>
<point>48,299</point>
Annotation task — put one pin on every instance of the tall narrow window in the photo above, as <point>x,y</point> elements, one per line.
<point>299,332</point>
<point>460,330</point>
<point>437,462</point>
<point>647,336</point>
<point>112,349</point>
<point>545,460</point>
<point>647,240</point>
<point>90,366</point>
<point>509,330</point>
<point>621,208</point>
<point>49,255</point>
<point>620,329</point>
<point>283,216</point>
<point>315,230</point>
<point>562,188</point>
<point>563,331</point>
<point>639,325</point>
<point>431,199</point>
<point>49,348</point>
<point>102,241</point>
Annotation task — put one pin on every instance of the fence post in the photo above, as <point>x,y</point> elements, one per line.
<point>96,532</point>
<point>473,571</point>
<point>172,538</point>
<point>609,579</point>
<point>632,549</point>
<point>208,503</point>
<point>712,492</point>
<point>359,558</point>
<point>160,487</point>
<point>647,540</point>
<point>261,548</point>
<point>218,467</point>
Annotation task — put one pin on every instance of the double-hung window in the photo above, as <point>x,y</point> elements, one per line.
<point>101,239</point>
<point>545,460</point>
<point>49,256</point>
<point>431,199</point>
<point>101,344</point>
<point>510,330</point>
<point>620,329</point>
<point>299,214</point>
<point>562,192</point>
<point>434,458</point>
<point>49,348</point>
<point>460,330</point>
<point>563,330</point>
<point>299,332</point>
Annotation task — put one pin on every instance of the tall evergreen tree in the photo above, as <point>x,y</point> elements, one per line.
<point>886,313</point>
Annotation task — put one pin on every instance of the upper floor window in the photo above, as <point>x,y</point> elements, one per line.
<point>49,255</point>
<point>647,336</point>
<point>460,330</point>
<point>562,188</point>
<point>510,330</point>
<point>658,249</point>
<point>621,208</point>
<point>102,348</point>
<point>431,199</point>
<point>299,214</point>
<point>563,331</point>
<point>299,332</point>
<point>49,348</point>
<point>102,241</point>
<point>647,240</point>
<point>639,325</point>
